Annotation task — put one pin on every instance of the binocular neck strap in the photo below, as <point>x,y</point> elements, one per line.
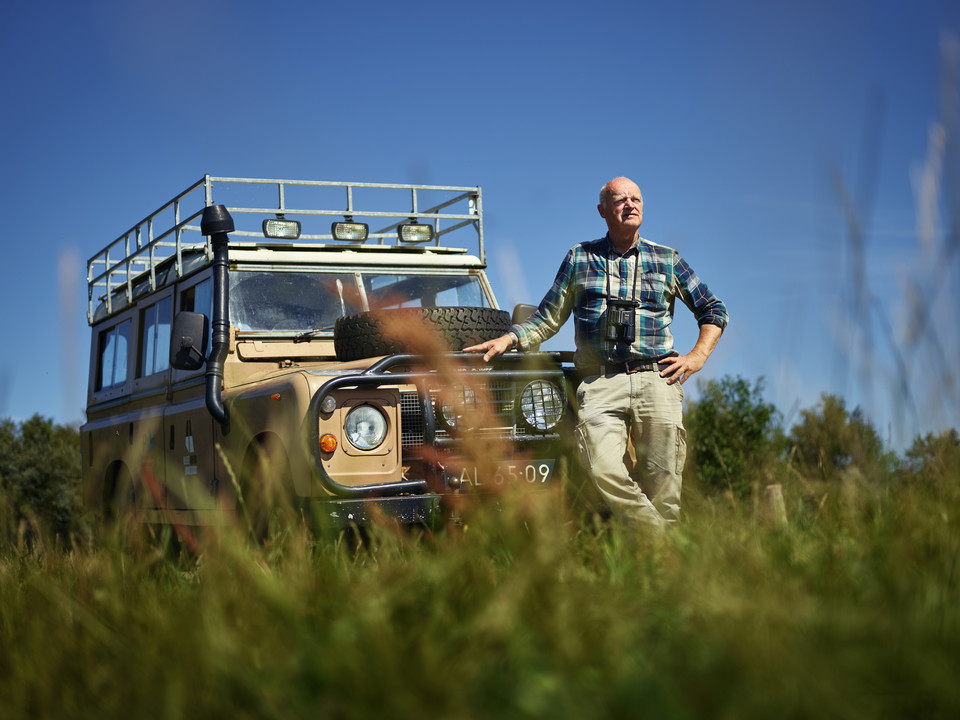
<point>635,274</point>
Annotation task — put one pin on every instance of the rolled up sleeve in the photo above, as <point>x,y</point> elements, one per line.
<point>707,308</point>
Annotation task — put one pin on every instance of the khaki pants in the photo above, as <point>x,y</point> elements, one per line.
<point>640,406</point>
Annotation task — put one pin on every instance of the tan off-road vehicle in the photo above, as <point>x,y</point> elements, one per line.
<point>271,342</point>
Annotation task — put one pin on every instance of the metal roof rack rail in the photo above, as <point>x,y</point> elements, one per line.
<point>136,254</point>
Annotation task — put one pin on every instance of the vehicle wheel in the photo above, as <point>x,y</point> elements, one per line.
<point>265,487</point>
<point>120,519</point>
<point>119,500</point>
<point>385,332</point>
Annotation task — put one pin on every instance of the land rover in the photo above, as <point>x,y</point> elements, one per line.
<point>304,337</point>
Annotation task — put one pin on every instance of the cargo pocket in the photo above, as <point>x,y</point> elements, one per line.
<point>583,447</point>
<point>681,449</point>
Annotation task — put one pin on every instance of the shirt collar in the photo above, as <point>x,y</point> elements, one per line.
<point>610,250</point>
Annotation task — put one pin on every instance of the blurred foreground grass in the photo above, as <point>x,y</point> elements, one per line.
<point>851,611</point>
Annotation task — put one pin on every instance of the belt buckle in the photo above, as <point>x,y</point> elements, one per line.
<point>628,370</point>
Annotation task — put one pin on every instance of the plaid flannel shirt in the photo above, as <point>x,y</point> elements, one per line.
<point>581,288</point>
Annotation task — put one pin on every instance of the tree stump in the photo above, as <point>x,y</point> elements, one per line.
<point>773,511</point>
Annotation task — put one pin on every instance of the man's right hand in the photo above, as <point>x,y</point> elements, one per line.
<point>492,348</point>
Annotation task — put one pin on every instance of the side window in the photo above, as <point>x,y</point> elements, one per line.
<point>155,337</point>
<point>112,356</point>
<point>199,298</point>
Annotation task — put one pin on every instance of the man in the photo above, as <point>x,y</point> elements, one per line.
<point>621,291</point>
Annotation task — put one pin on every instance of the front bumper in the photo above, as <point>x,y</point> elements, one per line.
<point>427,443</point>
<point>425,510</point>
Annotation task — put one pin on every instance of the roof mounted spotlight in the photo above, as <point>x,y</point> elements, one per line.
<point>280,228</point>
<point>413,232</point>
<point>349,230</point>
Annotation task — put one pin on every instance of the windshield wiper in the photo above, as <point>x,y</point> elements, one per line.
<point>310,334</point>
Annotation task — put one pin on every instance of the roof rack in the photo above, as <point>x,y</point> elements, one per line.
<point>173,229</point>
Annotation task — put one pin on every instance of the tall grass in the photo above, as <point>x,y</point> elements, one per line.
<point>525,610</point>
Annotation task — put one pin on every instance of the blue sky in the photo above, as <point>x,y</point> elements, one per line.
<point>745,123</point>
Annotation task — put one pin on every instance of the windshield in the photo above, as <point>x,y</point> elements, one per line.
<point>284,301</point>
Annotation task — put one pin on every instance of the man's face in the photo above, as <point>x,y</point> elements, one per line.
<point>623,210</point>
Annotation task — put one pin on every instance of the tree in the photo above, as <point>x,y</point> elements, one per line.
<point>733,436</point>
<point>40,475</point>
<point>934,458</point>
<point>830,440</point>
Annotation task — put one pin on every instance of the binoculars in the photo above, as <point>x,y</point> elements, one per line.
<point>621,320</point>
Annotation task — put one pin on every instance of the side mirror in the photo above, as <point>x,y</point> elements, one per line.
<point>188,340</point>
<point>522,312</point>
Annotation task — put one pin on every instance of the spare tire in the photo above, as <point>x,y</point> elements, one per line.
<point>366,334</point>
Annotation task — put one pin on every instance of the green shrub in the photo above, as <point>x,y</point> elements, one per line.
<point>734,437</point>
<point>933,459</point>
<point>829,441</point>
<point>40,480</point>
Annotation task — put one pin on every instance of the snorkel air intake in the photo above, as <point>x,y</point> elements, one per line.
<point>215,224</point>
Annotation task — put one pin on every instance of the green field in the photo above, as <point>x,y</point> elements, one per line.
<point>526,610</point>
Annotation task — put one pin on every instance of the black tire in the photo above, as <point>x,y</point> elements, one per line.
<point>121,521</point>
<point>119,499</point>
<point>265,486</point>
<point>362,335</point>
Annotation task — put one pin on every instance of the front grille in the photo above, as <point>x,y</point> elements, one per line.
<point>411,420</point>
<point>500,394</point>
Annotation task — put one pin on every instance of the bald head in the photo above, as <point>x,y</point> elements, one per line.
<point>621,205</point>
<point>619,185</point>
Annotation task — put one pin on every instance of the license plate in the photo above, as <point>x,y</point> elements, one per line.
<point>535,472</point>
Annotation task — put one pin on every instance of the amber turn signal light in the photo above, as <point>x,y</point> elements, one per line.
<point>328,443</point>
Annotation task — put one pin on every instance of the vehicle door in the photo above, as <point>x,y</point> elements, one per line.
<point>189,432</point>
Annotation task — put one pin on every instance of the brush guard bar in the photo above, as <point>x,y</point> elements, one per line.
<point>380,374</point>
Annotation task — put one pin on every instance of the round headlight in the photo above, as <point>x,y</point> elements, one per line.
<point>460,409</point>
<point>541,405</point>
<point>365,427</point>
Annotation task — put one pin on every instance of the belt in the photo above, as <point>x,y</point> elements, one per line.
<point>624,366</point>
